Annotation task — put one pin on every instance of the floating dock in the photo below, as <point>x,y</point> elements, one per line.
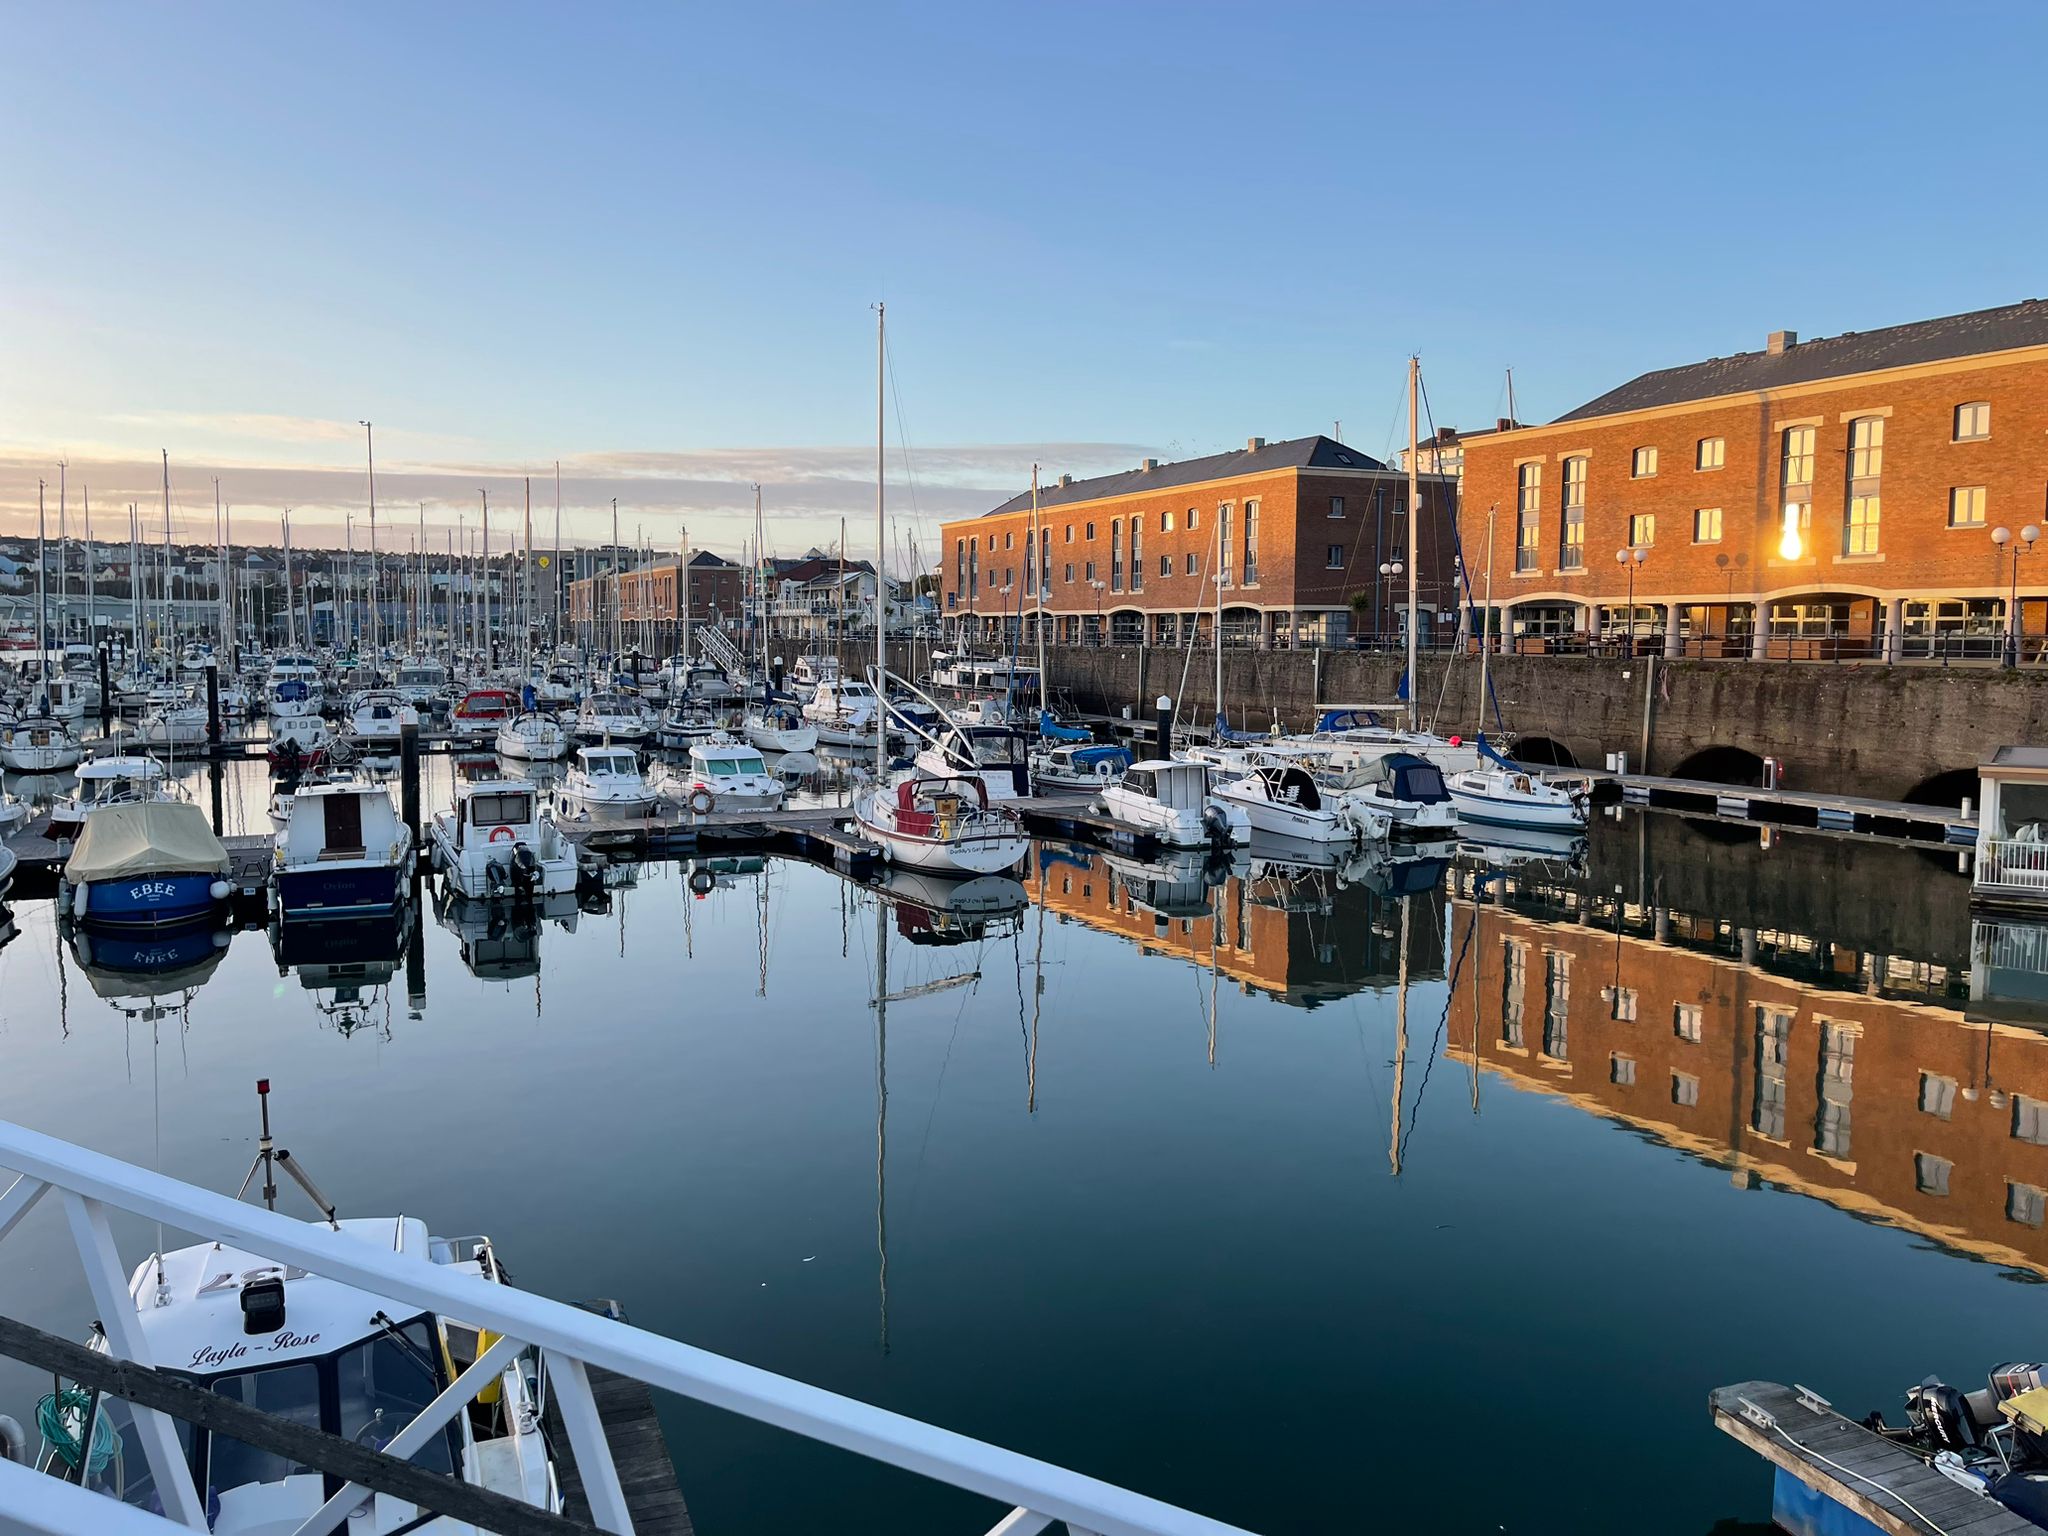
<point>1802,808</point>
<point>647,1473</point>
<point>1823,1459</point>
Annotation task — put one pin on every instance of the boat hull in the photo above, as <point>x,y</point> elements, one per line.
<point>793,739</point>
<point>1496,811</point>
<point>328,891</point>
<point>150,901</point>
<point>988,853</point>
<point>1270,820</point>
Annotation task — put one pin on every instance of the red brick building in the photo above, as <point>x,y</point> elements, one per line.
<point>1836,497</point>
<point>1295,530</point>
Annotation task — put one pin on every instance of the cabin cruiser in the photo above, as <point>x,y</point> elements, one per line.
<point>533,737</point>
<point>778,726</point>
<point>479,712</point>
<point>683,723</point>
<point>1515,797</point>
<point>843,713</point>
<point>604,780</point>
<point>723,775</point>
<point>1079,765</point>
<point>122,780</point>
<point>1169,798</point>
<point>1350,734</point>
<point>149,863</point>
<point>174,725</point>
<point>14,811</point>
<point>1408,788</point>
<point>376,716</point>
<point>1282,799</point>
<point>980,712</point>
<point>342,852</point>
<point>941,823</point>
<point>972,676</point>
<point>294,686</point>
<point>810,671</point>
<point>496,840</point>
<point>39,745</point>
<point>316,1353</point>
<point>298,742</point>
<point>419,681</point>
<point>998,755</point>
<point>613,717</point>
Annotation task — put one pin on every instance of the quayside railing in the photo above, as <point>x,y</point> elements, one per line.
<point>91,1185</point>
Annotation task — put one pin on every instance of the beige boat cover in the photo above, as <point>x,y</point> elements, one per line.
<point>150,837</point>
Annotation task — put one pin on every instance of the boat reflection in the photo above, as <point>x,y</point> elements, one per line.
<point>147,975</point>
<point>930,909</point>
<point>347,965</point>
<point>501,940</point>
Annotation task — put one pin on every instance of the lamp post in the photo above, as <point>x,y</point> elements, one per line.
<point>1007,589</point>
<point>1630,559</point>
<point>2002,536</point>
<point>1100,587</point>
<point>1387,568</point>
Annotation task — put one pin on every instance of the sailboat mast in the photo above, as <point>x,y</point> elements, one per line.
<point>484,570</point>
<point>42,599</point>
<point>881,546</point>
<point>63,559</point>
<point>526,576</point>
<point>91,626</point>
<point>1040,565</point>
<point>1414,537</point>
<point>376,576</point>
<point>170,614</point>
<point>1486,624</point>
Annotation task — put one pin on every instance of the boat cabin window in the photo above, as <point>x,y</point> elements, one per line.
<point>723,767</point>
<point>499,809</point>
<point>1139,782</point>
<point>289,1392</point>
<point>607,764</point>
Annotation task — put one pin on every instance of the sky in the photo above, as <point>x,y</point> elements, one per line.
<point>645,241</point>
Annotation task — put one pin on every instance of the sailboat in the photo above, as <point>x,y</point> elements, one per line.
<point>945,824</point>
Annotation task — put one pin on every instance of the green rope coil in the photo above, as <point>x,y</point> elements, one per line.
<point>61,1418</point>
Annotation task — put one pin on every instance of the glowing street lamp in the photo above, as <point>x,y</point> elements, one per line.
<point>2002,536</point>
<point>1630,559</point>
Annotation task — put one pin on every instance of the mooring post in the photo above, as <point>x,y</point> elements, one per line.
<point>213,777</point>
<point>106,694</point>
<point>213,709</point>
<point>409,780</point>
<point>1162,723</point>
<point>416,955</point>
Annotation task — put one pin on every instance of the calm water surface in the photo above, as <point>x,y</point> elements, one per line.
<point>1163,1181</point>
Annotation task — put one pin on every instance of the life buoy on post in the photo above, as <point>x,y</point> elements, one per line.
<point>701,801</point>
<point>503,835</point>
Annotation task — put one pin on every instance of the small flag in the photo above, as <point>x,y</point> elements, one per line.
<point>1401,692</point>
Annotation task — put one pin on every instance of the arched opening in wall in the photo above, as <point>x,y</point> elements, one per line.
<point>1544,752</point>
<point>1722,765</point>
<point>1951,788</point>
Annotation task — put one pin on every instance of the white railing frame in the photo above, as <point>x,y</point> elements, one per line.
<point>573,1339</point>
<point>2001,858</point>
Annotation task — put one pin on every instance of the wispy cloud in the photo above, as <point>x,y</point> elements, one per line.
<point>246,427</point>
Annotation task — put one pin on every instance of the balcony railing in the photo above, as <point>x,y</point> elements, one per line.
<point>2012,864</point>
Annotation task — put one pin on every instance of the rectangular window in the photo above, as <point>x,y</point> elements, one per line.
<point>1966,506</point>
<point>1767,1103</point>
<point>1091,533</point>
<point>1006,540</point>
<point>1091,570</point>
<point>1836,1083</point>
<point>1706,525</point>
<point>1557,1004</point>
<point>1194,565</point>
<point>1251,543</point>
<point>1528,516</point>
<point>1621,1069</point>
<point>1685,1089</point>
<point>1166,522</point>
<point>1069,571</point>
<point>1070,533</point>
<point>1622,1004</point>
<point>1513,991</point>
<point>1642,529</point>
<point>1571,554</point>
<point>1930,1173</point>
<point>1866,447</point>
<point>1194,518</point>
<point>1796,471</point>
<point>1116,556</point>
<point>2030,1119</point>
<point>1644,464</point>
<point>1712,453</point>
<point>1973,421</point>
<point>1333,557</point>
<point>1687,1022</point>
<point>2025,1204</point>
<point>1137,555</point>
<point>1223,544</point>
<point>1937,1095</point>
<point>1859,531</point>
<point>1336,506</point>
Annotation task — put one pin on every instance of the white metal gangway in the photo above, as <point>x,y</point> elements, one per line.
<point>90,1185</point>
<point>716,645</point>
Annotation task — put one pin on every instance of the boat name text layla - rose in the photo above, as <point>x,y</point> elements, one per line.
<point>210,1356</point>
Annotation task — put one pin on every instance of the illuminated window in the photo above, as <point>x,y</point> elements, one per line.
<point>1137,555</point>
<point>1166,522</point>
<point>1642,529</point>
<point>1572,549</point>
<point>1859,532</point>
<point>2029,1119</point>
<point>1767,1104</point>
<point>1711,453</point>
<point>1796,473</point>
<point>2025,1204</point>
<point>1557,1004</point>
<point>1966,506</point>
<point>1251,543</point>
<point>1528,515</point>
<point>1837,1088</point>
<point>1706,525</point>
<point>1644,464</point>
<point>1223,543</point>
<point>1866,447</point>
<point>1973,421</point>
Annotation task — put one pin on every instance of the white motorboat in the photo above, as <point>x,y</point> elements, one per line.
<point>376,716</point>
<point>843,713</point>
<point>998,755</point>
<point>809,671</point>
<point>684,724</point>
<point>1408,788</point>
<point>943,824</point>
<point>419,680</point>
<point>723,775</point>
<point>778,727</point>
<point>533,737</point>
<point>1282,799</point>
<point>1350,735</point>
<point>294,687</point>
<point>38,744</point>
<point>122,780</point>
<point>342,852</point>
<point>604,780</point>
<point>496,840</point>
<point>1510,796</point>
<point>14,811</point>
<point>1079,764</point>
<point>177,725</point>
<point>1169,798</point>
<point>299,737</point>
<point>614,717</point>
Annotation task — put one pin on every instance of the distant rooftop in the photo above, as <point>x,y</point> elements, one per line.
<point>1788,360</point>
<point>1257,457</point>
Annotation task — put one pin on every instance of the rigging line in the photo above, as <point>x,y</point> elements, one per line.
<point>1442,1024</point>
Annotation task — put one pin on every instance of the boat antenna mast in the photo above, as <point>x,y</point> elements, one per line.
<point>269,1160</point>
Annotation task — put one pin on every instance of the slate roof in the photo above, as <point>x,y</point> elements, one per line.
<point>1830,357</point>
<point>1296,453</point>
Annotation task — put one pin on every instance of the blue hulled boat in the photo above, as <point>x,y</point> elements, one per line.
<point>150,864</point>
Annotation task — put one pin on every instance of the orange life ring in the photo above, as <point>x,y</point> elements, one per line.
<point>504,835</point>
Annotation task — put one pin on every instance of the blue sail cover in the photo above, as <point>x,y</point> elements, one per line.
<point>1225,733</point>
<point>1052,730</point>
<point>1486,751</point>
<point>1334,720</point>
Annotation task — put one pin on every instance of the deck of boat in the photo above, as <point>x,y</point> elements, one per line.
<point>1835,1457</point>
<point>647,1473</point>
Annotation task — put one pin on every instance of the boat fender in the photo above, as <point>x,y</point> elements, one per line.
<point>220,890</point>
<point>503,835</point>
<point>79,899</point>
<point>701,801</point>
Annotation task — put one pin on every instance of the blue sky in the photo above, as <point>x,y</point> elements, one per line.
<point>644,240</point>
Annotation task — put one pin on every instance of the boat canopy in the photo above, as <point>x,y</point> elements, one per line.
<point>1408,777</point>
<point>1052,730</point>
<point>1289,784</point>
<point>1176,785</point>
<point>145,837</point>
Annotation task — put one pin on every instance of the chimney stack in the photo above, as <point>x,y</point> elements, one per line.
<point>1149,464</point>
<point>1781,342</point>
<point>1503,423</point>
<point>1065,481</point>
<point>1254,444</point>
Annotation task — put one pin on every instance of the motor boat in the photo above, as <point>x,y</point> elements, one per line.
<point>1282,799</point>
<point>149,863</point>
<point>1501,793</point>
<point>38,744</point>
<point>1079,765</point>
<point>500,940</point>
<point>1170,799</point>
<point>298,742</point>
<point>377,716</point>
<point>683,724</point>
<point>723,775</point>
<point>342,852</point>
<point>497,840</point>
<point>604,780</point>
<point>121,780</point>
<point>14,812</point>
<point>843,713</point>
<point>313,1353</point>
<point>944,824</point>
<point>1408,788</point>
<point>809,671</point>
<point>174,725</point>
<point>615,717</point>
<point>533,737</point>
<point>778,726</point>
<point>479,712</point>
<point>419,680</point>
<point>980,712</point>
<point>1349,733</point>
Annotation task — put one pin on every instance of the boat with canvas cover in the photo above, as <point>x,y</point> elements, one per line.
<point>119,780</point>
<point>151,863</point>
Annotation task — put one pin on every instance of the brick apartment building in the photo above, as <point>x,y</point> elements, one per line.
<point>1295,529</point>
<point>1836,497</point>
<point>648,599</point>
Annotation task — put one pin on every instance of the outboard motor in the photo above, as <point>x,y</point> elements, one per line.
<point>496,873</point>
<point>1216,822</point>
<point>1940,1419</point>
<point>525,870</point>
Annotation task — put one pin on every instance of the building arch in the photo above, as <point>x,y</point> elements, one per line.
<point>1722,764</point>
